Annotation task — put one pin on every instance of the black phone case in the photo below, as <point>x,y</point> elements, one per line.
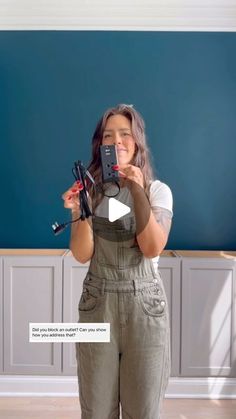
<point>109,159</point>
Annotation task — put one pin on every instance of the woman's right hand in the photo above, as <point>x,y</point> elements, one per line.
<point>71,197</point>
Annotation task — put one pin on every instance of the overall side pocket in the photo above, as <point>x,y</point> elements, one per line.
<point>90,299</point>
<point>153,301</point>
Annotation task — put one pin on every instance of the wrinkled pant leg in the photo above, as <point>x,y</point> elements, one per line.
<point>98,380</point>
<point>98,364</point>
<point>145,367</point>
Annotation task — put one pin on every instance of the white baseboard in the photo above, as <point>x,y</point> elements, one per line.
<point>38,385</point>
<point>64,386</point>
<point>202,388</point>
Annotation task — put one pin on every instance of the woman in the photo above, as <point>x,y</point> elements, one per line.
<point>123,285</point>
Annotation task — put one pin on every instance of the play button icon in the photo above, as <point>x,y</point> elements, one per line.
<point>115,214</point>
<point>116,209</point>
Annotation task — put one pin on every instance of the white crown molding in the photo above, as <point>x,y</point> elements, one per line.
<point>125,15</point>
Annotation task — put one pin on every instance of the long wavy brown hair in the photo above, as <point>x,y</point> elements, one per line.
<point>141,156</point>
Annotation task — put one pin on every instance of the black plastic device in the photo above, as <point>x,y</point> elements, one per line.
<point>109,159</point>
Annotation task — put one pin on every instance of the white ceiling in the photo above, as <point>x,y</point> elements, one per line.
<point>143,15</point>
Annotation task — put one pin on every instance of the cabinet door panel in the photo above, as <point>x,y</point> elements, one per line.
<point>32,293</point>
<point>74,274</point>
<point>169,269</point>
<point>208,320</point>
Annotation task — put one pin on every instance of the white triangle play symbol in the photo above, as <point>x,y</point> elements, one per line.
<point>116,209</point>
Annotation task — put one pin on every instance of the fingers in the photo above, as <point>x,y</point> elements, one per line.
<point>71,196</point>
<point>122,174</point>
<point>74,189</point>
<point>130,173</point>
<point>117,168</point>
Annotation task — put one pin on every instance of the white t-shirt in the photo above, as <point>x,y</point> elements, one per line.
<point>160,196</point>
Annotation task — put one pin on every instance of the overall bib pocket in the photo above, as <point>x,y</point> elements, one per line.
<point>153,301</point>
<point>129,256</point>
<point>106,253</point>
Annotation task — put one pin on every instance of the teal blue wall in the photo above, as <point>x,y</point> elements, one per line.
<point>55,85</point>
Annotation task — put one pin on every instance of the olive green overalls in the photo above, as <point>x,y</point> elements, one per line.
<point>122,288</point>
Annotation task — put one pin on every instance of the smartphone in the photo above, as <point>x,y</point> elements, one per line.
<point>109,159</point>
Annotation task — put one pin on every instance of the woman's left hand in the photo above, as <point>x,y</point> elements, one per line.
<point>132,175</point>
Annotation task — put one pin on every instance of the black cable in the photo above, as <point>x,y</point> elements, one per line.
<point>58,228</point>
<point>79,173</point>
<point>112,196</point>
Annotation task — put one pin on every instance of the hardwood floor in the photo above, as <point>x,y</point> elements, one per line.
<point>68,408</point>
<point>199,409</point>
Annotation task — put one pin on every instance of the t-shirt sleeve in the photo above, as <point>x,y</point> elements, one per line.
<point>161,201</point>
<point>161,196</point>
